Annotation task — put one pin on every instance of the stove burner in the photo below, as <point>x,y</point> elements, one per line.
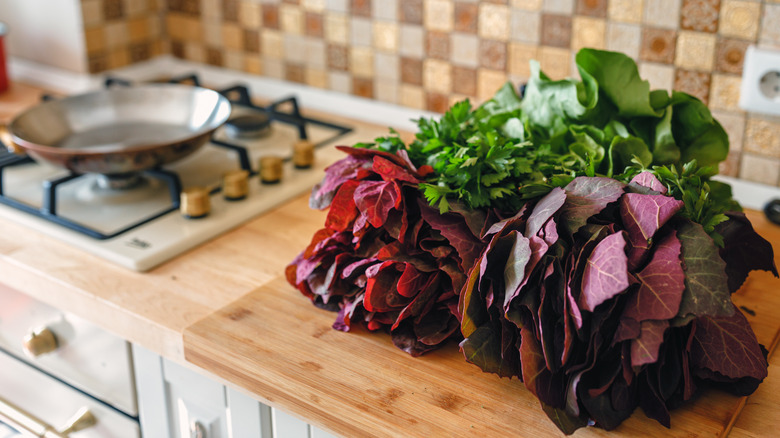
<point>255,125</point>
<point>123,181</point>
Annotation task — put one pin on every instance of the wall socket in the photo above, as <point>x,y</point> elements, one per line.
<point>760,90</point>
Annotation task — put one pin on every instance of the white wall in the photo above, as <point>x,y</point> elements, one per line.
<point>45,31</point>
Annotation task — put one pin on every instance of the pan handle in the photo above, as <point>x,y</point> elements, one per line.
<point>8,141</point>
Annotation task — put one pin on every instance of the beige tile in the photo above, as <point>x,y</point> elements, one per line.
<point>626,11</point>
<point>464,49</point>
<point>734,125</point>
<point>456,98</point>
<point>92,12</point>
<point>494,21</point>
<point>411,41</point>
<point>760,169</point>
<point>118,58</point>
<point>361,61</point>
<point>136,8</point>
<point>184,28</point>
<point>273,68</point>
<point>660,76</point>
<point>316,77</point>
<point>212,33</point>
<point>411,96</point>
<point>695,51</point>
<point>437,76</point>
<point>211,9</point>
<point>770,26</point>
<point>488,82</point>
<point>194,52</point>
<point>762,136</point>
<point>233,59</point>
<point>232,36</point>
<point>730,166</point>
<point>337,28</point>
<point>724,92</point>
<point>558,6</point>
<point>525,25</point>
<point>386,36</point>
<point>138,30</point>
<point>249,14</point>
<point>154,25</point>
<point>739,19</point>
<point>337,5</point>
<point>340,81</point>
<point>387,66</point>
<point>528,5</point>
<point>116,35</point>
<point>555,62</point>
<point>520,56</point>
<point>438,15</point>
<point>294,49</point>
<point>386,10</point>
<point>588,32</point>
<point>315,54</point>
<point>313,5</point>
<point>662,13</point>
<point>291,18</point>
<point>272,44</point>
<point>253,64</point>
<point>95,40</point>
<point>386,91</point>
<point>361,31</point>
<point>625,38</point>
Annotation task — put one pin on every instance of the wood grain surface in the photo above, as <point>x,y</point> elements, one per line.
<point>275,344</point>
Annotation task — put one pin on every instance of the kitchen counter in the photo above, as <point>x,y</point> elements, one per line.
<point>226,308</point>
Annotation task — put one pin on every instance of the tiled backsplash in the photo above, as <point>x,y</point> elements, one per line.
<point>427,54</point>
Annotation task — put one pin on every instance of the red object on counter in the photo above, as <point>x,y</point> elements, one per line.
<point>3,69</point>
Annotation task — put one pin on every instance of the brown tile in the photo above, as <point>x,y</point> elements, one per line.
<point>361,8</point>
<point>700,15</point>
<point>251,40</point>
<point>363,87</point>
<point>730,55</point>
<point>411,11</point>
<point>658,45</point>
<point>466,17</point>
<point>113,9</point>
<point>730,166</point>
<point>177,49</point>
<point>270,16</point>
<point>97,62</point>
<point>140,52</point>
<point>464,81</point>
<point>338,57</point>
<point>411,71</point>
<point>437,44</point>
<point>214,56</point>
<point>230,10</point>
<point>184,6</point>
<point>437,102</point>
<point>695,83</point>
<point>313,25</point>
<point>593,8</point>
<point>294,73</point>
<point>556,30</point>
<point>492,54</point>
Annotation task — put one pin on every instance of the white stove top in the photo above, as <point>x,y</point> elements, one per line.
<point>144,247</point>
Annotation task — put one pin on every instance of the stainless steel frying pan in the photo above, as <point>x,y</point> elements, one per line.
<point>121,130</point>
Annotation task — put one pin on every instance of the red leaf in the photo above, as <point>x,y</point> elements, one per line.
<point>389,171</point>
<point>343,210</point>
<point>644,349</point>
<point>586,197</point>
<point>647,179</point>
<point>410,282</point>
<point>606,272</point>
<point>375,199</point>
<point>642,216</point>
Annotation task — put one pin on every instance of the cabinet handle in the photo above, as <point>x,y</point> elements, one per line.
<point>40,341</point>
<point>197,430</point>
<point>26,422</point>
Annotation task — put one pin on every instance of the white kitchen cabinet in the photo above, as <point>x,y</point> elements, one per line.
<point>177,402</point>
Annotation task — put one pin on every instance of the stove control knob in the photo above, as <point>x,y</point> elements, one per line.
<point>40,341</point>
<point>195,202</point>
<point>270,169</point>
<point>303,154</point>
<point>235,185</point>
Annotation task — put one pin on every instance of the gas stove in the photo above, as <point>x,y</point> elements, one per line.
<point>148,223</point>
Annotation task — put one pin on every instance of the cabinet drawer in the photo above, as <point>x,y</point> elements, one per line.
<point>54,403</point>
<point>86,356</point>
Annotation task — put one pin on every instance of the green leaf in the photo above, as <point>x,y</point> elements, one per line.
<point>623,150</point>
<point>665,150</point>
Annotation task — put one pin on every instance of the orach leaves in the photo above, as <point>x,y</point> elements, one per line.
<point>570,238</point>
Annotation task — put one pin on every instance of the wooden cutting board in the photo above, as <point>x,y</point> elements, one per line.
<point>275,344</point>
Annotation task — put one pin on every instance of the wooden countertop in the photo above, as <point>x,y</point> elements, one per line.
<point>225,307</point>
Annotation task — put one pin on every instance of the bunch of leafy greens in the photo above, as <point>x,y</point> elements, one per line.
<point>509,149</point>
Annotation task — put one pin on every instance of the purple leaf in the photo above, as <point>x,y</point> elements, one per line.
<point>743,250</point>
<point>544,210</point>
<point>586,197</point>
<point>642,216</point>
<point>606,272</point>
<point>375,199</point>
<point>647,179</point>
<point>644,349</point>
<point>727,345</point>
<point>514,271</point>
<point>662,283</point>
<point>343,210</point>
<point>390,171</point>
<point>455,229</point>
<point>335,175</point>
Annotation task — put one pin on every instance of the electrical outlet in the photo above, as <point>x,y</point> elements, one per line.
<point>760,90</point>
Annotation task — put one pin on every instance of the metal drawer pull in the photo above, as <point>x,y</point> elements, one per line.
<point>40,341</point>
<point>30,425</point>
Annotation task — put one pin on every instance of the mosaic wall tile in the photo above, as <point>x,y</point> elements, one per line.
<point>336,28</point>
<point>700,15</point>
<point>385,9</point>
<point>438,15</point>
<point>588,32</point>
<point>411,96</point>
<point>316,56</point>
<point>466,15</point>
<point>313,5</point>
<point>230,10</point>
<point>724,92</point>
<point>464,80</point>
<point>313,25</point>
<point>492,54</point>
<point>270,16</point>
<point>695,51</point>
<point>625,38</point>
<point>660,76</point>
<point>437,45</point>
<point>293,73</point>
<point>695,83</point>
<point>555,62</point>
<point>114,10</point>
<point>658,45</point>
<point>558,6</point>
<point>92,13</point>
<point>340,82</point>
<point>525,26</point>
<point>464,50</point>
<point>730,166</point>
<point>520,56</point>
<point>291,19</point>
<point>592,8</point>
<point>761,136</point>
<point>437,102</point>
<point>254,65</point>
<point>488,81</point>
<point>734,125</point>
<point>363,87</point>
<point>387,66</point>
<point>739,19</point>
<point>249,15</point>
<point>770,26</point>
<point>411,41</point>
<point>411,71</point>
<point>411,11</point>
<point>337,57</point>
<point>316,78</point>
<point>626,11</point>
<point>361,61</point>
<point>386,91</point>
<point>760,169</point>
<point>730,55</point>
<point>271,44</point>
<point>361,8</point>
<point>528,5</point>
<point>437,75</point>
<point>385,36</point>
<point>662,13</point>
<point>494,21</point>
<point>232,36</point>
<point>337,5</point>
<point>556,30</point>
